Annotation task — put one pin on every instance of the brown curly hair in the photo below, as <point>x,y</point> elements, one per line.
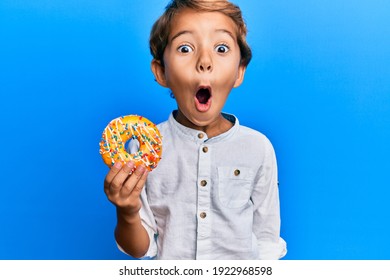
<point>161,29</point>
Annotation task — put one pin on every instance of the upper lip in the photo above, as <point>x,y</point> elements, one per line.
<point>204,87</point>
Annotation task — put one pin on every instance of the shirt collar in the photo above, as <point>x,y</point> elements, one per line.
<point>200,136</point>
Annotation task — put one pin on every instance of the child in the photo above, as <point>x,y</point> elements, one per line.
<point>214,194</point>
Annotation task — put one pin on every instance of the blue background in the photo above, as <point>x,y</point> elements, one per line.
<point>318,86</point>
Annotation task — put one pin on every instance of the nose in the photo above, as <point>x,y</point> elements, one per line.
<point>204,63</point>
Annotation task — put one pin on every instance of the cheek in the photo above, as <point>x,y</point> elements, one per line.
<point>229,78</point>
<point>177,77</point>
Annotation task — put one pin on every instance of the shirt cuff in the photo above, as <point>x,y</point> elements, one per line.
<point>272,250</point>
<point>152,251</point>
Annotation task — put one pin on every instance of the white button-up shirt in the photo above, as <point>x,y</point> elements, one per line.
<point>213,198</point>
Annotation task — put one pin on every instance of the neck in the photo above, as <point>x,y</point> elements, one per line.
<point>218,126</point>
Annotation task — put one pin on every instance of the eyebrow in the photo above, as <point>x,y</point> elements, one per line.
<point>181,33</point>
<point>227,32</point>
<point>190,32</point>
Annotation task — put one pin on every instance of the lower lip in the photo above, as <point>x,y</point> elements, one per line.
<point>202,107</point>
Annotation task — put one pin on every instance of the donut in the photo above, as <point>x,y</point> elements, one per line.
<point>122,130</point>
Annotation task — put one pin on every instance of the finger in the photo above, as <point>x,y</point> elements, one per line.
<point>119,179</point>
<point>111,175</point>
<point>133,180</point>
<point>140,185</point>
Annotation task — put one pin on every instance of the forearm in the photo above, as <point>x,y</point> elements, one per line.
<point>131,235</point>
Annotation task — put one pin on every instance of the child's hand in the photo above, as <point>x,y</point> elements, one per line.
<point>123,187</point>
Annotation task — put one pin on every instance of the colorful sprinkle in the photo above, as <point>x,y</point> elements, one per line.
<point>124,128</point>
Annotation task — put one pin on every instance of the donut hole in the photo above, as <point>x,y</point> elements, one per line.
<point>132,146</point>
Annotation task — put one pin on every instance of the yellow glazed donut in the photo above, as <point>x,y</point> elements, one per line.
<point>120,130</point>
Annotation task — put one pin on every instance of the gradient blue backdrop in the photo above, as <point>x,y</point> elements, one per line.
<point>318,86</point>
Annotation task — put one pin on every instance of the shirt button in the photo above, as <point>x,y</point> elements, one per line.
<point>202,215</point>
<point>237,172</point>
<point>205,149</point>
<point>203,183</point>
<point>200,135</point>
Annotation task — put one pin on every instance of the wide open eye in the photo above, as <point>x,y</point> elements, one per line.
<point>185,49</point>
<point>222,48</point>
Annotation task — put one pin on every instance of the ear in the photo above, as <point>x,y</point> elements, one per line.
<point>159,72</point>
<point>240,75</point>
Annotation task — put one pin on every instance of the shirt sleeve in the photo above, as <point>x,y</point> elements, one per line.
<point>266,220</point>
<point>149,224</point>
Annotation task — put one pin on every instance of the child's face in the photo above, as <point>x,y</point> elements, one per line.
<point>201,64</point>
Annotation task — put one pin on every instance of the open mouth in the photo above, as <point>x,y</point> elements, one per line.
<point>203,95</point>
